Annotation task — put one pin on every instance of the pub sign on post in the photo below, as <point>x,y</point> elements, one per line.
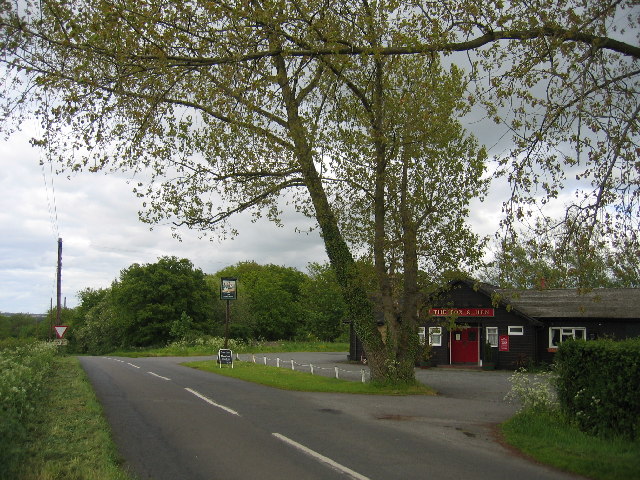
<point>228,288</point>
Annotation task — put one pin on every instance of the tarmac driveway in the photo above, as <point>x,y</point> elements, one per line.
<point>465,397</point>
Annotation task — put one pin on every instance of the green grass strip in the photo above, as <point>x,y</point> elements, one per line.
<point>177,350</point>
<point>287,379</point>
<point>68,436</point>
<point>548,439</point>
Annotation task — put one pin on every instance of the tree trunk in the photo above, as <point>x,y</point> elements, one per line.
<point>359,306</point>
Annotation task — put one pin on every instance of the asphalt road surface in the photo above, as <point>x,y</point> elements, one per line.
<point>172,422</point>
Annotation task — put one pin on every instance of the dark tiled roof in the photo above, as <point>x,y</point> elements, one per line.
<point>571,302</point>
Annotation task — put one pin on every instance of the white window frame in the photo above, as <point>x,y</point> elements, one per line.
<point>421,335</point>
<point>435,336</point>
<point>492,336</point>
<point>516,330</point>
<point>566,333</point>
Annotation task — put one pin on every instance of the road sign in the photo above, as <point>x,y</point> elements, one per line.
<point>225,357</point>
<point>61,341</point>
<point>60,330</point>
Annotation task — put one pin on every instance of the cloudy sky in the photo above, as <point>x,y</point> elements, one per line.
<point>96,215</point>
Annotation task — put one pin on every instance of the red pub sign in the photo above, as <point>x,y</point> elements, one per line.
<point>503,344</point>
<point>461,312</point>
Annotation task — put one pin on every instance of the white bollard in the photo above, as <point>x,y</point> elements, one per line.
<point>265,360</point>
<point>253,357</point>
<point>363,375</point>
<point>336,372</point>
<point>278,362</point>
<point>292,367</point>
<point>311,365</point>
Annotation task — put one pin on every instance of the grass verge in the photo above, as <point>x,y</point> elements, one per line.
<point>286,379</point>
<point>68,436</point>
<point>545,437</point>
<point>181,349</point>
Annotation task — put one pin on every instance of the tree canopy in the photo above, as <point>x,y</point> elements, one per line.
<point>269,300</point>
<point>225,106</point>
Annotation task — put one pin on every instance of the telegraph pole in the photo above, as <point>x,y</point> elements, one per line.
<point>59,282</point>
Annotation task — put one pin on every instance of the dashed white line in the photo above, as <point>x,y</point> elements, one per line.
<point>134,366</point>
<point>321,458</point>
<point>159,376</point>
<point>211,402</point>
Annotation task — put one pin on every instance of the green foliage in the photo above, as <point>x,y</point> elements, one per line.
<point>322,303</point>
<point>147,305</point>
<point>268,305</point>
<point>24,370</point>
<point>149,299</point>
<point>564,258</point>
<point>22,325</point>
<point>207,345</point>
<point>549,438</point>
<point>597,384</point>
<point>96,327</point>
<point>68,436</point>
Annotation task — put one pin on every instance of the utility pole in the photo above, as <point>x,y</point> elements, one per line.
<point>50,316</point>
<point>59,282</point>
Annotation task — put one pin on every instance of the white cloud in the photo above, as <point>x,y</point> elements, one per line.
<point>97,218</point>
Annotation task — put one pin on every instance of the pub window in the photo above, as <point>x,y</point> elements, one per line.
<point>435,336</point>
<point>516,330</point>
<point>421,335</point>
<point>557,335</point>
<point>492,336</point>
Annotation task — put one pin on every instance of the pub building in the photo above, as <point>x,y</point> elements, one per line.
<point>522,327</point>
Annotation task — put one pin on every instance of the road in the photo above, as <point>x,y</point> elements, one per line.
<point>172,422</point>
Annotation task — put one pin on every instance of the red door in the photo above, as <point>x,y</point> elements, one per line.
<point>464,345</point>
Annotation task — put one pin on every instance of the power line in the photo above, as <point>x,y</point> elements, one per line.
<point>51,201</point>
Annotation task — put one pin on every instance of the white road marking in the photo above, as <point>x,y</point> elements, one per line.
<point>211,402</point>
<point>134,366</point>
<point>321,457</point>
<point>159,376</point>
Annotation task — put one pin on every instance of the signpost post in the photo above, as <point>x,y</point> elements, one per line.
<point>228,292</point>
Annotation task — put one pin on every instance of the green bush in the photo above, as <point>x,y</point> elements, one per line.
<point>598,386</point>
<point>24,369</point>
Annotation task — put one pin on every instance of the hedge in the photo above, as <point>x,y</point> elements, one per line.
<point>24,368</point>
<point>598,385</point>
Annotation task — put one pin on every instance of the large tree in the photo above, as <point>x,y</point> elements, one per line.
<point>548,261</point>
<point>268,305</point>
<point>151,300</point>
<point>233,101</point>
